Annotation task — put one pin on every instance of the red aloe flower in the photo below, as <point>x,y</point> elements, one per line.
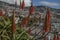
<point>1,13</point>
<point>58,37</point>
<point>25,21</point>
<point>55,37</point>
<point>31,11</point>
<point>13,23</point>
<point>22,5</point>
<point>48,22</point>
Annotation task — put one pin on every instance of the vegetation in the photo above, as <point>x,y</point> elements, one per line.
<point>5,30</point>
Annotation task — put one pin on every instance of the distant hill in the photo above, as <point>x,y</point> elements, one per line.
<point>36,7</point>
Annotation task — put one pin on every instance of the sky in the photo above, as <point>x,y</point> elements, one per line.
<point>49,3</point>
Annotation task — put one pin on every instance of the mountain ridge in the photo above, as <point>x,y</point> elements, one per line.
<point>28,6</point>
<point>36,7</point>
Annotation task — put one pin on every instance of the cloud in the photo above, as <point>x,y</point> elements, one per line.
<point>9,1</point>
<point>49,3</point>
<point>27,2</point>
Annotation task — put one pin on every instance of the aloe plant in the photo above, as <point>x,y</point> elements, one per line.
<point>5,31</point>
<point>5,25</point>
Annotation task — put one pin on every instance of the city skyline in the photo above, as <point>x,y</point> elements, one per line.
<point>49,3</point>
